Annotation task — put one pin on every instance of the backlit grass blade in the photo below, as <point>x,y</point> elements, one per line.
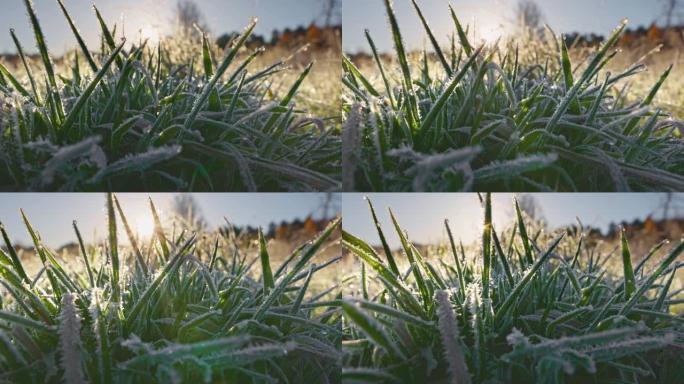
<point>13,255</point>
<point>159,231</point>
<point>45,56</point>
<point>433,40</point>
<point>461,33</point>
<point>113,245</point>
<point>388,252</point>
<point>89,270</point>
<point>108,37</point>
<point>27,68</point>
<point>357,74</point>
<point>408,251</point>
<point>523,233</point>
<point>131,237</point>
<point>378,62</point>
<point>630,280</point>
<point>267,275</point>
<point>566,64</point>
<point>15,83</point>
<point>457,262</point>
<point>502,258</point>
<point>487,246</point>
<point>412,111</point>
<point>79,39</point>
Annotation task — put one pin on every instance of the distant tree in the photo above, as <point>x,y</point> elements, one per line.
<point>328,206</point>
<point>331,12</point>
<point>529,15</point>
<point>186,207</point>
<point>188,15</point>
<point>671,10</point>
<point>531,207</point>
<point>275,37</point>
<point>672,205</point>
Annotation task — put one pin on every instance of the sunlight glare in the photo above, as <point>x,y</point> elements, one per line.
<point>144,227</point>
<point>150,33</point>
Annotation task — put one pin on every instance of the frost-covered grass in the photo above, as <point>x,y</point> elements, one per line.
<point>524,307</point>
<point>175,116</point>
<point>514,116</point>
<point>182,307</point>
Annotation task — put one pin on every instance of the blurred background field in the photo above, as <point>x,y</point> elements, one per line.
<point>648,220</point>
<point>654,37</point>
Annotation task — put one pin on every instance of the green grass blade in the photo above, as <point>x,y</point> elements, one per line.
<point>433,40</point>
<point>514,295</point>
<point>448,91</point>
<point>630,280</point>
<point>89,270</point>
<point>487,246</point>
<point>265,263</point>
<point>108,37</point>
<point>463,38</point>
<point>113,246</point>
<point>84,98</point>
<point>131,237</point>
<point>523,233</point>
<point>79,39</point>
<point>388,252</point>
<point>13,255</point>
<point>371,328</point>
<point>199,102</point>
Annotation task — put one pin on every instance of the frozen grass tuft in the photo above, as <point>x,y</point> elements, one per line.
<point>159,120</point>
<point>553,314</point>
<point>538,121</point>
<point>190,308</point>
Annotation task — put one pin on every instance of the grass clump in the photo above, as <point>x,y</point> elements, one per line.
<point>556,314</point>
<point>149,118</point>
<point>185,307</point>
<point>484,119</point>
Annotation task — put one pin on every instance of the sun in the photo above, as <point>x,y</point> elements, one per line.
<point>144,227</point>
<point>490,29</point>
<point>150,33</point>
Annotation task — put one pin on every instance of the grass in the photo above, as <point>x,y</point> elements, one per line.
<point>505,118</point>
<point>183,307</point>
<point>165,118</point>
<point>523,307</point>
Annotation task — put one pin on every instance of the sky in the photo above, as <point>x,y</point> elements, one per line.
<point>51,214</point>
<point>490,17</point>
<point>153,17</point>
<point>423,215</point>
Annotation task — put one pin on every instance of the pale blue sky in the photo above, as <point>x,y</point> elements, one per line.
<point>422,215</point>
<point>51,214</point>
<point>491,17</point>
<point>153,16</point>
